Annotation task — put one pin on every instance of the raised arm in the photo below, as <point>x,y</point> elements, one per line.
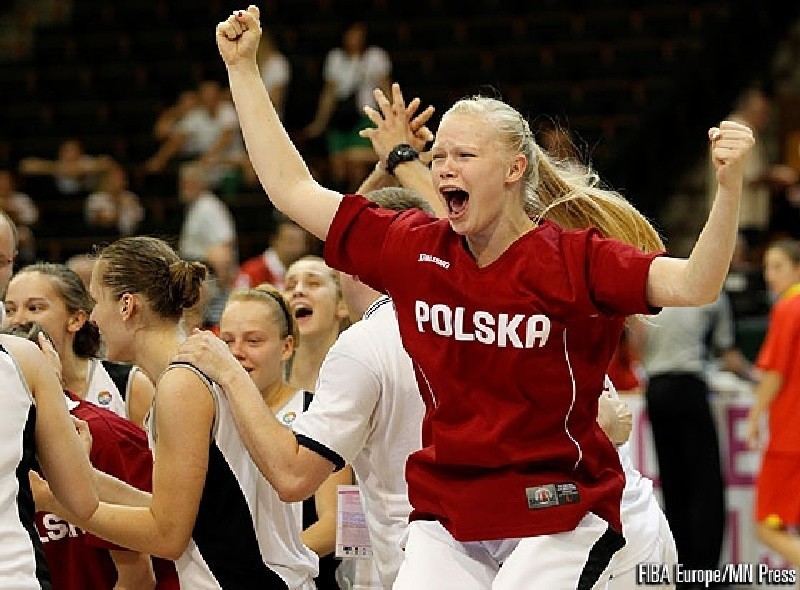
<point>678,282</point>
<point>398,123</point>
<point>279,166</point>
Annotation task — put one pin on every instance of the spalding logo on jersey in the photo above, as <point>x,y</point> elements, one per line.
<point>503,330</point>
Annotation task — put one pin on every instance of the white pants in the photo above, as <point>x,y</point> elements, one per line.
<point>663,552</point>
<point>435,560</point>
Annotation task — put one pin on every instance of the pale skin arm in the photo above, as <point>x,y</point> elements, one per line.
<point>293,470</point>
<point>134,570</point>
<point>678,282</point>
<point>59,449</point>
<point>765,391</point>
<point>320,537</point>
<point>162,527</point>
<point>279,166</point>
<point>141,398</point>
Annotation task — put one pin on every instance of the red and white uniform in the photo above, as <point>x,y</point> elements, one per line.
<point>264,268</point>
<point>79,560</point>
<point>510,360</point>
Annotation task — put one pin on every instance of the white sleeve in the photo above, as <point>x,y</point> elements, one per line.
<point>340,414</point>
<point>378,63</point>
<point>332,65</point>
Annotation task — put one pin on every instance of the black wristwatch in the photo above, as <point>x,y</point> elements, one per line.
<point>400,153</point>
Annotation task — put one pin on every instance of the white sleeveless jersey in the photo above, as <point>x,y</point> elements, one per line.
<point>103,392</point>
<point>244,537</point>
<point>22,564</point>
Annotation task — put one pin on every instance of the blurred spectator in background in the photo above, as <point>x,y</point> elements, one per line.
<point>276,71</point>
<point>287,243</point>
<point>744,285</point>
<point>351,73</point>
<point>171,115</point>
<point>74,171</point>
<point>764,179</point>
<point>207,133</point>
<point>208,233</point>
<point>21,208</point>
<point>113,207</point>
<point>82,265</point>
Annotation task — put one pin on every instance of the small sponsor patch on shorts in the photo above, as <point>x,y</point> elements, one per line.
<point>553,494</point>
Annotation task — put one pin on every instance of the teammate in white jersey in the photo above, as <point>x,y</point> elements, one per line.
<point>210,510</point>
<point>35,427</point>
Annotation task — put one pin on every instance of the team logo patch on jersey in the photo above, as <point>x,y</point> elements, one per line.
<point>104,398</point>
<point>553,494</point>
<point>288,418</point>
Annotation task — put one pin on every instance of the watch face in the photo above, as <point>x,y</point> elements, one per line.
<point>400,153</point>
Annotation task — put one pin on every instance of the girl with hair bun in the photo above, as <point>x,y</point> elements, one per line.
<point>55,297</point>
<point>210,510</point>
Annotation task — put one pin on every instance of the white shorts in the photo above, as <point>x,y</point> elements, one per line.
<point>662,552</point>
<point>575,559</point>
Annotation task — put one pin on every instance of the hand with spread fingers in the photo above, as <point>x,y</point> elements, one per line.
<point>397,123</point>
<point>238,37</point>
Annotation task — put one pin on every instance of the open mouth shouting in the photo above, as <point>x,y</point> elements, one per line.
<point>302,311</point>
<point>456,200</point>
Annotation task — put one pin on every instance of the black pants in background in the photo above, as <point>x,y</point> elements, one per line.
<point>687,449</point>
